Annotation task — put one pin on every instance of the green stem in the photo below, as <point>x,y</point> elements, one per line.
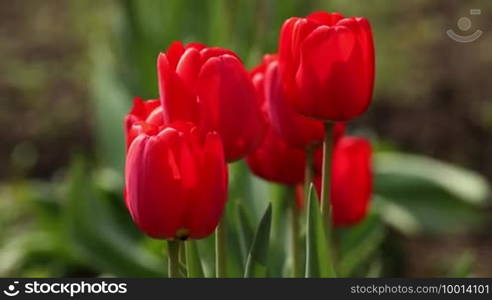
<point>325,180</point>
<point>294,220</point>
<point>326,187</point>
<point>173,255</point>
<point>308,170</point>
<point>220,256</point>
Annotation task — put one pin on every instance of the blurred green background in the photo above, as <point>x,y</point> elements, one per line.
<point>69,70</point>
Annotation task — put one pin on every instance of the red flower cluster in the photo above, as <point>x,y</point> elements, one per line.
<point>208,114</point>
<point>212,111</point>
<point>211,88</point>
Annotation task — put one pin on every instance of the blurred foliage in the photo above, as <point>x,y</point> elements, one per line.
<point>98,235</point>
<point>74,66</point>
<point>420,195</point>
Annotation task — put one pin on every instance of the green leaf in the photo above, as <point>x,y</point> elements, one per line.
<point>97,237</point>
<point>420,195</point>
<point>416,206</point>
<point>239,192</point>
<point>466,185</point>
<point>193,262</point>
<point>256,265</point>
<point>278,261</point>
<point>240,212</point>
<point>244,231</point>
<point>318,256</point>
<point>358,243</point>
<point>206,248</point>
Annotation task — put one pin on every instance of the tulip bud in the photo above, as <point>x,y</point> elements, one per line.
<point>210,88</point>
<point>351,180</point>
<point>327,65</point>
<point>175,181</point>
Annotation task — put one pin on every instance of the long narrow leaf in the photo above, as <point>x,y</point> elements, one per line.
<point>256,265</point>
<point>193,262</point>
<point>466,185</point>
<point>358,244</point>
<point>244,230</point>
<point>277,257</point>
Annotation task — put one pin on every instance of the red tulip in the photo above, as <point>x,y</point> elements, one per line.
<point>293,127</point>
<point>211,88</point>
<point>327,65</point>
<point>176,181</point>
<point>351,181</point>
<point>277,161</point>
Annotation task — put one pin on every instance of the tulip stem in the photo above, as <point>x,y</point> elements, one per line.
<point>220,257</point>
<point>173,255</point>
<point>308,170</point>
<point>325,181</point>
<point>326,185</point>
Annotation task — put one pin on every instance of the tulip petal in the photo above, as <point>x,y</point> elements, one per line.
<point>173,53</point>
<point>286,64</point>
<point>150,106</point>
<point>293,32</point>
<point>230,106</point>
<point>136,117</point>
<point>296,129</point>
<point>189,67</point>
<point>351,180</point>
<point>329,79</point>
<point>276,161</point>
<point>138,128</point>
<point>195,45</point>
<point>368,52</point>
<point>362,29</point>
<point>258,82</point>
<point>178,102</point>
<point>138,109</point>
<point>156,117</point>
<point>153,184</point>
<point>210,52</point>
<point>302,28</point>
<point>207,204</point>
<point>324,18</point>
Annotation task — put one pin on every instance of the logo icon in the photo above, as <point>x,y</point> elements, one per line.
<point>11,291</point>
<point>464,24</point>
